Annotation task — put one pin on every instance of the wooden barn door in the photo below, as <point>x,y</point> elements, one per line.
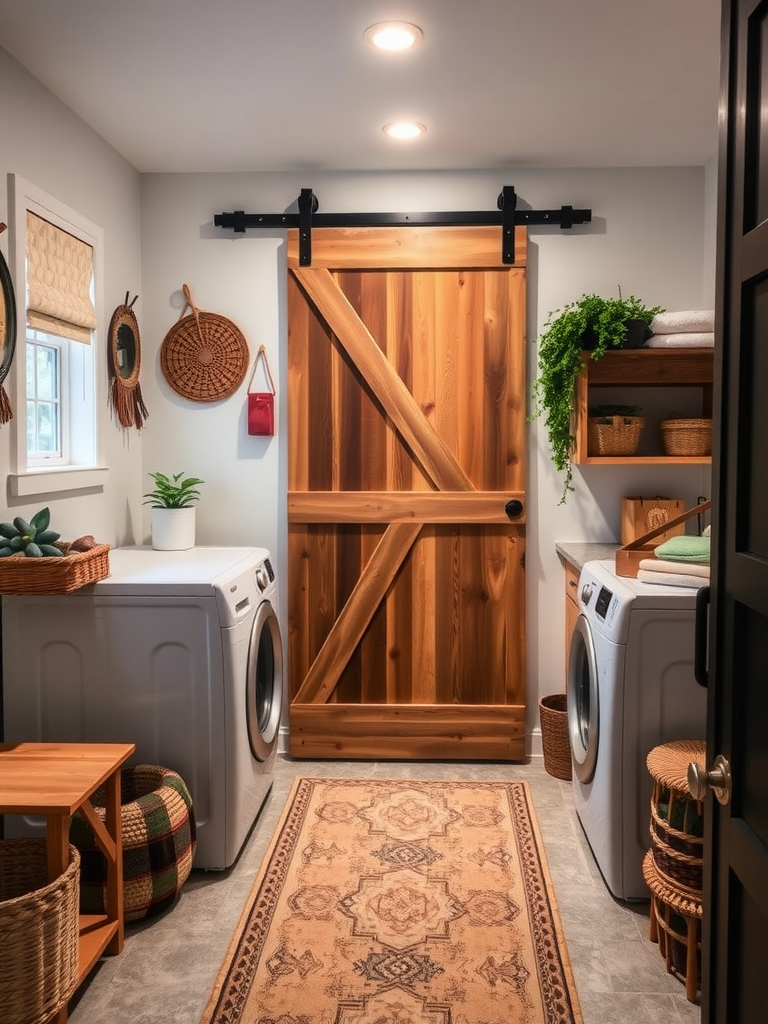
<point>406,511</point>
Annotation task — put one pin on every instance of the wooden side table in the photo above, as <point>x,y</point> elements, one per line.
<point>55,780</point>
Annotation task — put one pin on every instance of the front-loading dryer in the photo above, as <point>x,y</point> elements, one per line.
<point>630,687</point>
<point>178,652</point>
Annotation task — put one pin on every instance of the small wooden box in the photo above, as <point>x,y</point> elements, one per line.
<point>641,515</point>
<point>629,555</point>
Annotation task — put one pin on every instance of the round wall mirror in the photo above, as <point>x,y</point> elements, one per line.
<point>125,366</point>
<point>7,333</point>
<point>125,350</point>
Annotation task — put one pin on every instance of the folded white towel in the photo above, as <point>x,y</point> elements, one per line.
<point>662,565</point>
<point>669,579</point>
<point>698,339</point>
<point>684,321</point>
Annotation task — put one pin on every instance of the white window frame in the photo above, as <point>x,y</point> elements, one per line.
<point>62,346</point>
<point>85,379</point>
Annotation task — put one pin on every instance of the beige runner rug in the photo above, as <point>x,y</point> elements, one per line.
<point>400,902</point>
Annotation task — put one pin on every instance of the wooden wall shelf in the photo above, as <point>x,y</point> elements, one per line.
<point>641,368</point>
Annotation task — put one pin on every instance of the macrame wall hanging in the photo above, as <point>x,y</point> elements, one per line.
<point>7,333</point>
<point>125,396</point>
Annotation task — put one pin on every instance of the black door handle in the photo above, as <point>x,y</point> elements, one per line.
<point>513,508</point>
<point>700,636</point>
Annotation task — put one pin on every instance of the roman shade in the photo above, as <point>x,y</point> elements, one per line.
<point>59,272</point>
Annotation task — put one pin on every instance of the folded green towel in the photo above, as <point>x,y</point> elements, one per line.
<point>684,549</point>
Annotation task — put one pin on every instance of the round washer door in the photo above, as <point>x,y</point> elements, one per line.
<point>264,683</point>
<point>583,701</point>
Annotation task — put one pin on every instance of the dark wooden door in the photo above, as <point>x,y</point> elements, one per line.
<point>406,389</point>
<point>735,946</point>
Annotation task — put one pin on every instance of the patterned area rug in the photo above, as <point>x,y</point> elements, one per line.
<point>384,902</point>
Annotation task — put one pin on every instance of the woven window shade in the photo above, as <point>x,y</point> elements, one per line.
<point>59,272</point>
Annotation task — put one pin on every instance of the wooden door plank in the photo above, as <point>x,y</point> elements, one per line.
<point>479,507</point>
<point>407,248</point>
<point>514,410</point>
<point>471,374</point>
<point>298,602</point>
<point>380,376</point>
<point>425,731</point>
<point>352,621</point>
<point>298,374</point>
<point>424,609</point>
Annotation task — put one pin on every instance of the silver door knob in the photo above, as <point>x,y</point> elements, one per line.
<point>718,780</point>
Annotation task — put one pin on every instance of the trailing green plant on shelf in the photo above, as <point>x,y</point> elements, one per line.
<point>589,323</point>
<point>176,491</point>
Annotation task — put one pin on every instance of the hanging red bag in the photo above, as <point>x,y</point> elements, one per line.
<point>261,404</point>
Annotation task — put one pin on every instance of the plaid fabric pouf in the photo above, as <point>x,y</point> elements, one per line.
<point>158,829</point>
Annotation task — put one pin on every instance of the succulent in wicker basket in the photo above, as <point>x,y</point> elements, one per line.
<point>33,538</point>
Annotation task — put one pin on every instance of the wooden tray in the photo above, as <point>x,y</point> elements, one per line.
<point>629,556</point>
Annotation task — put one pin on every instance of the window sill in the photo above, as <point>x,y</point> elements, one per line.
<point>36,482</point>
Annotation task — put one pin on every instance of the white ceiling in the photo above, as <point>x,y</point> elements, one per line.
<point>269,85</point>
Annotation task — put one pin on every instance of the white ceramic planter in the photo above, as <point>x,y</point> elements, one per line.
<point>173,529</point>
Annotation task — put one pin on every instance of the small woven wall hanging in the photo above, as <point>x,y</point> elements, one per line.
<point>204,356</point>
<point>125,398</point>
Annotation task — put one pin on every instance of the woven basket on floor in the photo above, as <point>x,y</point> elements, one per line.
<point>39,932</point>
<point>554,735</point>
<point>614,435</point>
<point>158,840</point>
<point>677,824</point>
<point>686,437</point>
<point>675,923</point>
<point>51,575</point>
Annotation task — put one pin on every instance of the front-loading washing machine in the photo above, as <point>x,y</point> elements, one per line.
<point>178,652</point>
<point>630,687</point>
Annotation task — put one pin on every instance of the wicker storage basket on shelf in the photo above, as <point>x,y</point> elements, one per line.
<point>686,437</point>
<point>22,575</point>
<point>39,932</point>
<point>614,435</point>
<point>554,735</point>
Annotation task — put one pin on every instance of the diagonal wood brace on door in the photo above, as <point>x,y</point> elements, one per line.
<point>507,216</point>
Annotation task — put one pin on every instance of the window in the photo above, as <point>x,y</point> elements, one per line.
<point>57,254</point>
<point>47,426</point>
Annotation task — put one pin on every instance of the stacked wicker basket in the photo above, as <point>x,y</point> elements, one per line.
<point>673,867</point>
<point>39,932</point>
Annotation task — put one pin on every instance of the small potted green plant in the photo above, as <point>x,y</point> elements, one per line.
<point>590,323</point>
<point>172,504</point>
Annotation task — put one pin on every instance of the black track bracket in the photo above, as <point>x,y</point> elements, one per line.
<point>507,216</point>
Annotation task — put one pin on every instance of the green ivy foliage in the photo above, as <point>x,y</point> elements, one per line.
<point>560,347</point>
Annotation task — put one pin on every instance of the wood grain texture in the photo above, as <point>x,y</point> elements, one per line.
<point>420,732</point>
<point>381,378</point>
<point>367,594</point>
<point>406,577</point>
<point>407,248</point>
<point>402,506</point>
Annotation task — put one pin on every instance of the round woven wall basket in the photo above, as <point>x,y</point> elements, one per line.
<point>204,356</point>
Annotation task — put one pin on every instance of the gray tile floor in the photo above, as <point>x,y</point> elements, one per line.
<point>167,968</point>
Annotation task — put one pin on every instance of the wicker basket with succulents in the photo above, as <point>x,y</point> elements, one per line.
<point>34,559</point>
<point>590,323</point>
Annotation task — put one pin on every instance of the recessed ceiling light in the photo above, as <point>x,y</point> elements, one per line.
<point>393,35</point>
<point>404,129</point>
